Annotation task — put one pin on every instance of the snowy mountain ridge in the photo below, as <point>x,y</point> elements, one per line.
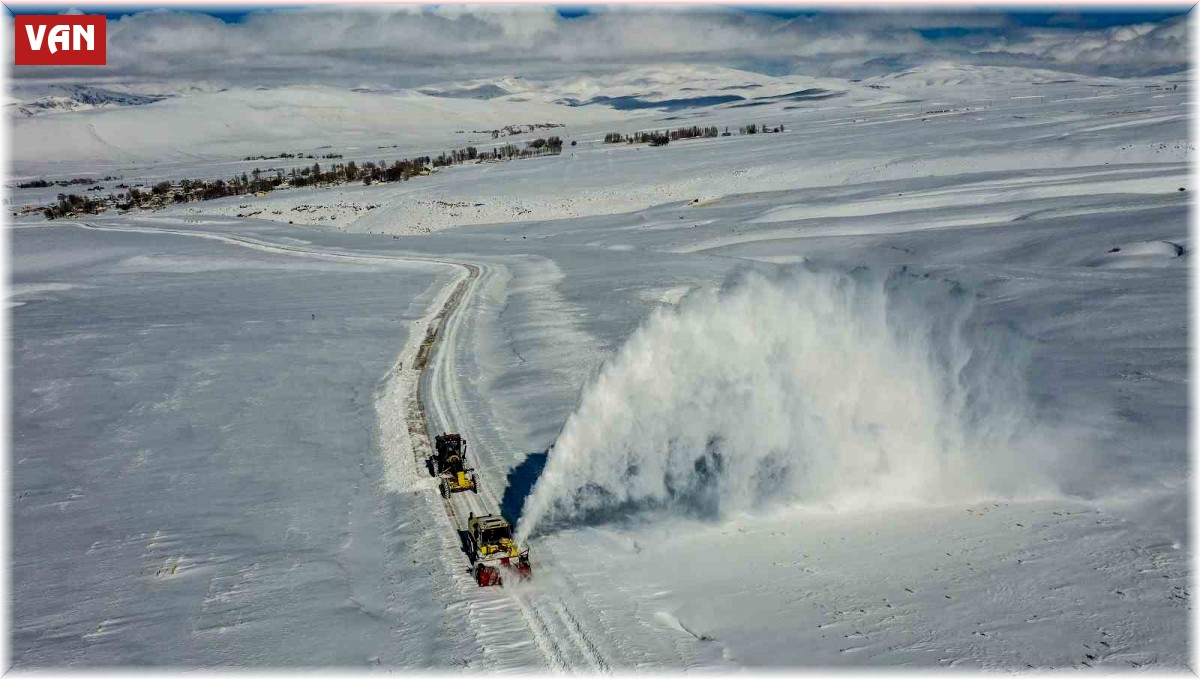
<point>203,121</point>
<point>951,75</point>
<point>237,122</point>
<point>668,86</point>
<point>72,98</point>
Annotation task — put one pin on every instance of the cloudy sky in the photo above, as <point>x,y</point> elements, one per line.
<point>408,45</point>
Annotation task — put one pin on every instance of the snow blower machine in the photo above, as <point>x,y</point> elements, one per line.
<point>492,549</point>
<point>449,462</point>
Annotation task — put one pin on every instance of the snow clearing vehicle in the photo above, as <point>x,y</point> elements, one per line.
<point>448,450</point>
<point>448,461</point>
<point>492,549</point>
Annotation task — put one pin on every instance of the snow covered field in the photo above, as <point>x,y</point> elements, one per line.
<point>905,384</point>
<point>195,472</point>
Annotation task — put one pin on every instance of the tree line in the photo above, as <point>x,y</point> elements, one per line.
<point>285,154</point>
<point>664,137</point>
<point>261,182</point>
<point>45,184</point>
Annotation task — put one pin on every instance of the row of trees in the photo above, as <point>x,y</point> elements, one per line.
<point>538,147</point>
<point>653,138</point>
<point>754,128</point>
<point>281,154</point>
<point>45,183</point>
<point>73,204</point>
<point>664,137</point>
<point>509,130</point>
<point>261,182</point>
<point>285,154</point>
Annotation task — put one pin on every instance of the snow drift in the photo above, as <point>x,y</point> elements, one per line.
<point>817,387</point>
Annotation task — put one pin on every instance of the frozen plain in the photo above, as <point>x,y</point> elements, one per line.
<point>1057,226</point>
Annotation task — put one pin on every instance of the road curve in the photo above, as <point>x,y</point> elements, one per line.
<point>547,614</point>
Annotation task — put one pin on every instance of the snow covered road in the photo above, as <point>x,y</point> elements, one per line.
<point>551,616</point>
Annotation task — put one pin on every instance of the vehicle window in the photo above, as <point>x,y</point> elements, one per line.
<point>496,535</point>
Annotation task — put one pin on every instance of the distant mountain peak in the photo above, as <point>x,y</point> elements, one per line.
<point>69,98</point>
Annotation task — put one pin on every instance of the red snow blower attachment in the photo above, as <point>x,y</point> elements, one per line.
<point>490,573</point>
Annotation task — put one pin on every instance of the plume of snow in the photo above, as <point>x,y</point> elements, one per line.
<point>817,387</point>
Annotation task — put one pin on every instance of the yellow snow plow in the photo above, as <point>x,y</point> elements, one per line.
<point>491,547</point>
<point>458,481</point>
<point>449,462</point>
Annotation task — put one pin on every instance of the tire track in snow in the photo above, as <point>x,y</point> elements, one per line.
<point>563,642</point>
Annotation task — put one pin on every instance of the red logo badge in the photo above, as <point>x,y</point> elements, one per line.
<point>60,40</point>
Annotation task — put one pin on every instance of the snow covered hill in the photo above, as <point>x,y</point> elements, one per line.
<point>488,88</point>
<point>666,87</point>
<point>239,122</point>
<point>95,124</point>
<point>72,98</point>
<point>959,81</point>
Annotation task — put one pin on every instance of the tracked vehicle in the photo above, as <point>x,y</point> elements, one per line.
<point>493,551</point>
<point>449,462</point>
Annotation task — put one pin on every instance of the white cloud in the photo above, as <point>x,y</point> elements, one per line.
<point>408,45</point>
<point>1146,47</point>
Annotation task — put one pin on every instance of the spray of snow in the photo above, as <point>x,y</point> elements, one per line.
<point>833,389</point>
